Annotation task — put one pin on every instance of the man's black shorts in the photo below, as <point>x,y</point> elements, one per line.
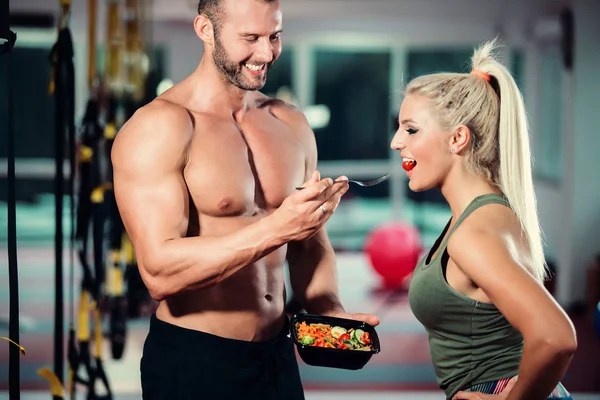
<point>184,364</point>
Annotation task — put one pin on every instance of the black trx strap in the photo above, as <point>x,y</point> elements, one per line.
<point>115,285</point>
<point>90,210</point>
<point>64,95</point>
<point>9,38</point>
<point>89,181</point>
<point>85,366</point>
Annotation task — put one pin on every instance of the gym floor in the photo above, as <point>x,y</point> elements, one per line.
<point>402,369</point>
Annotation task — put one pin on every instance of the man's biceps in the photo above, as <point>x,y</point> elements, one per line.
<point>149,234</point>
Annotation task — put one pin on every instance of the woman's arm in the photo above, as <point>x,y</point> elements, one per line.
<point>485,256</point>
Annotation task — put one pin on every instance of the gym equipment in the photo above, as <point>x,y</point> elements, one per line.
<point>90,210</point>
<point>393,250</point>
<point>15,351</point>
<point>126,72</point>
<point>597,321</point>
<point>88,163</point>
<point>89,186</point>
<point>62,87</point>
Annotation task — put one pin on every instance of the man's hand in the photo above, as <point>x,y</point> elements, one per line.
<point>305,212</point>
<point>368,318</point>
<point>481,396</point>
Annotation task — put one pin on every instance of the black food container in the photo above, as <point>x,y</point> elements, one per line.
<point>334,358</point>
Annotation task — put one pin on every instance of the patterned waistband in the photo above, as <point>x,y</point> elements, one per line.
<point>496,387</point>
<point>493,387</point>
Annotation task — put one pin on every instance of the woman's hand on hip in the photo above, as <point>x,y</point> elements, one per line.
<point>482,396</point>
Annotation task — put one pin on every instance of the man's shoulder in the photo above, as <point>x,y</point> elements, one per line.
<point>158,123</point>
<point>284,111</point>
<point>159,115</point>
<point>161,108</point>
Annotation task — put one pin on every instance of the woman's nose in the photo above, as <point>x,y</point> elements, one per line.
<point>396,143</point>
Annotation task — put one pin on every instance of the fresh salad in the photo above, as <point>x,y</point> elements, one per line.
<point>333,337</point>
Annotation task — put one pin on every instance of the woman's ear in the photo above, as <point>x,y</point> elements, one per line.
<point>460,138</point>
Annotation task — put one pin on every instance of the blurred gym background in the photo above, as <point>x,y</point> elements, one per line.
<point>344,64</point>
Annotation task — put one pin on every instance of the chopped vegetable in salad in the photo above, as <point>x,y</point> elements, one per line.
<point>333,337</point>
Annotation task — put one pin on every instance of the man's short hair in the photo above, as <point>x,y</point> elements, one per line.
<point>214,11</point>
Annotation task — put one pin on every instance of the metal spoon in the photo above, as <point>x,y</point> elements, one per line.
<point>364,183</point>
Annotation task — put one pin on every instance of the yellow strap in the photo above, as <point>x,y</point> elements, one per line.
<point>51,84</point>
<point>66,10</point>
<point>71,381</point>
<point>92,11</point>
<point>114,45</point>
<point>127,249</point>
<point>114,257</point>
<point>110,132</point>
<point>83,331</point>
<point>114,281</point>
<point>21,348</point>
<point>118,286</point>
<point>98,195</point>
<point>99,334</point>
<point>56,387</point>
<point>85,154</point>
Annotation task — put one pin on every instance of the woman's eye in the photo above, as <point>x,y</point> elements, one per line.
<point>411,131</point>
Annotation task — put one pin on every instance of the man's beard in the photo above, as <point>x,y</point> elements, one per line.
<point>232,71</point>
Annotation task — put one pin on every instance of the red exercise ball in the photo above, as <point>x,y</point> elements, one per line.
<point>394,250</point>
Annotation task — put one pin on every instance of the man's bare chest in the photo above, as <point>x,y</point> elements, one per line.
<point>243,169</point>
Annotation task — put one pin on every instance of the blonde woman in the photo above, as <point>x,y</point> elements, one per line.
<point>494,331</point>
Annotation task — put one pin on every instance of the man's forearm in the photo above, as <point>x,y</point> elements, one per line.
<point>321,293</point>
<point>323,304</point>
<point>313,275</point>
<point>182,264</point>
